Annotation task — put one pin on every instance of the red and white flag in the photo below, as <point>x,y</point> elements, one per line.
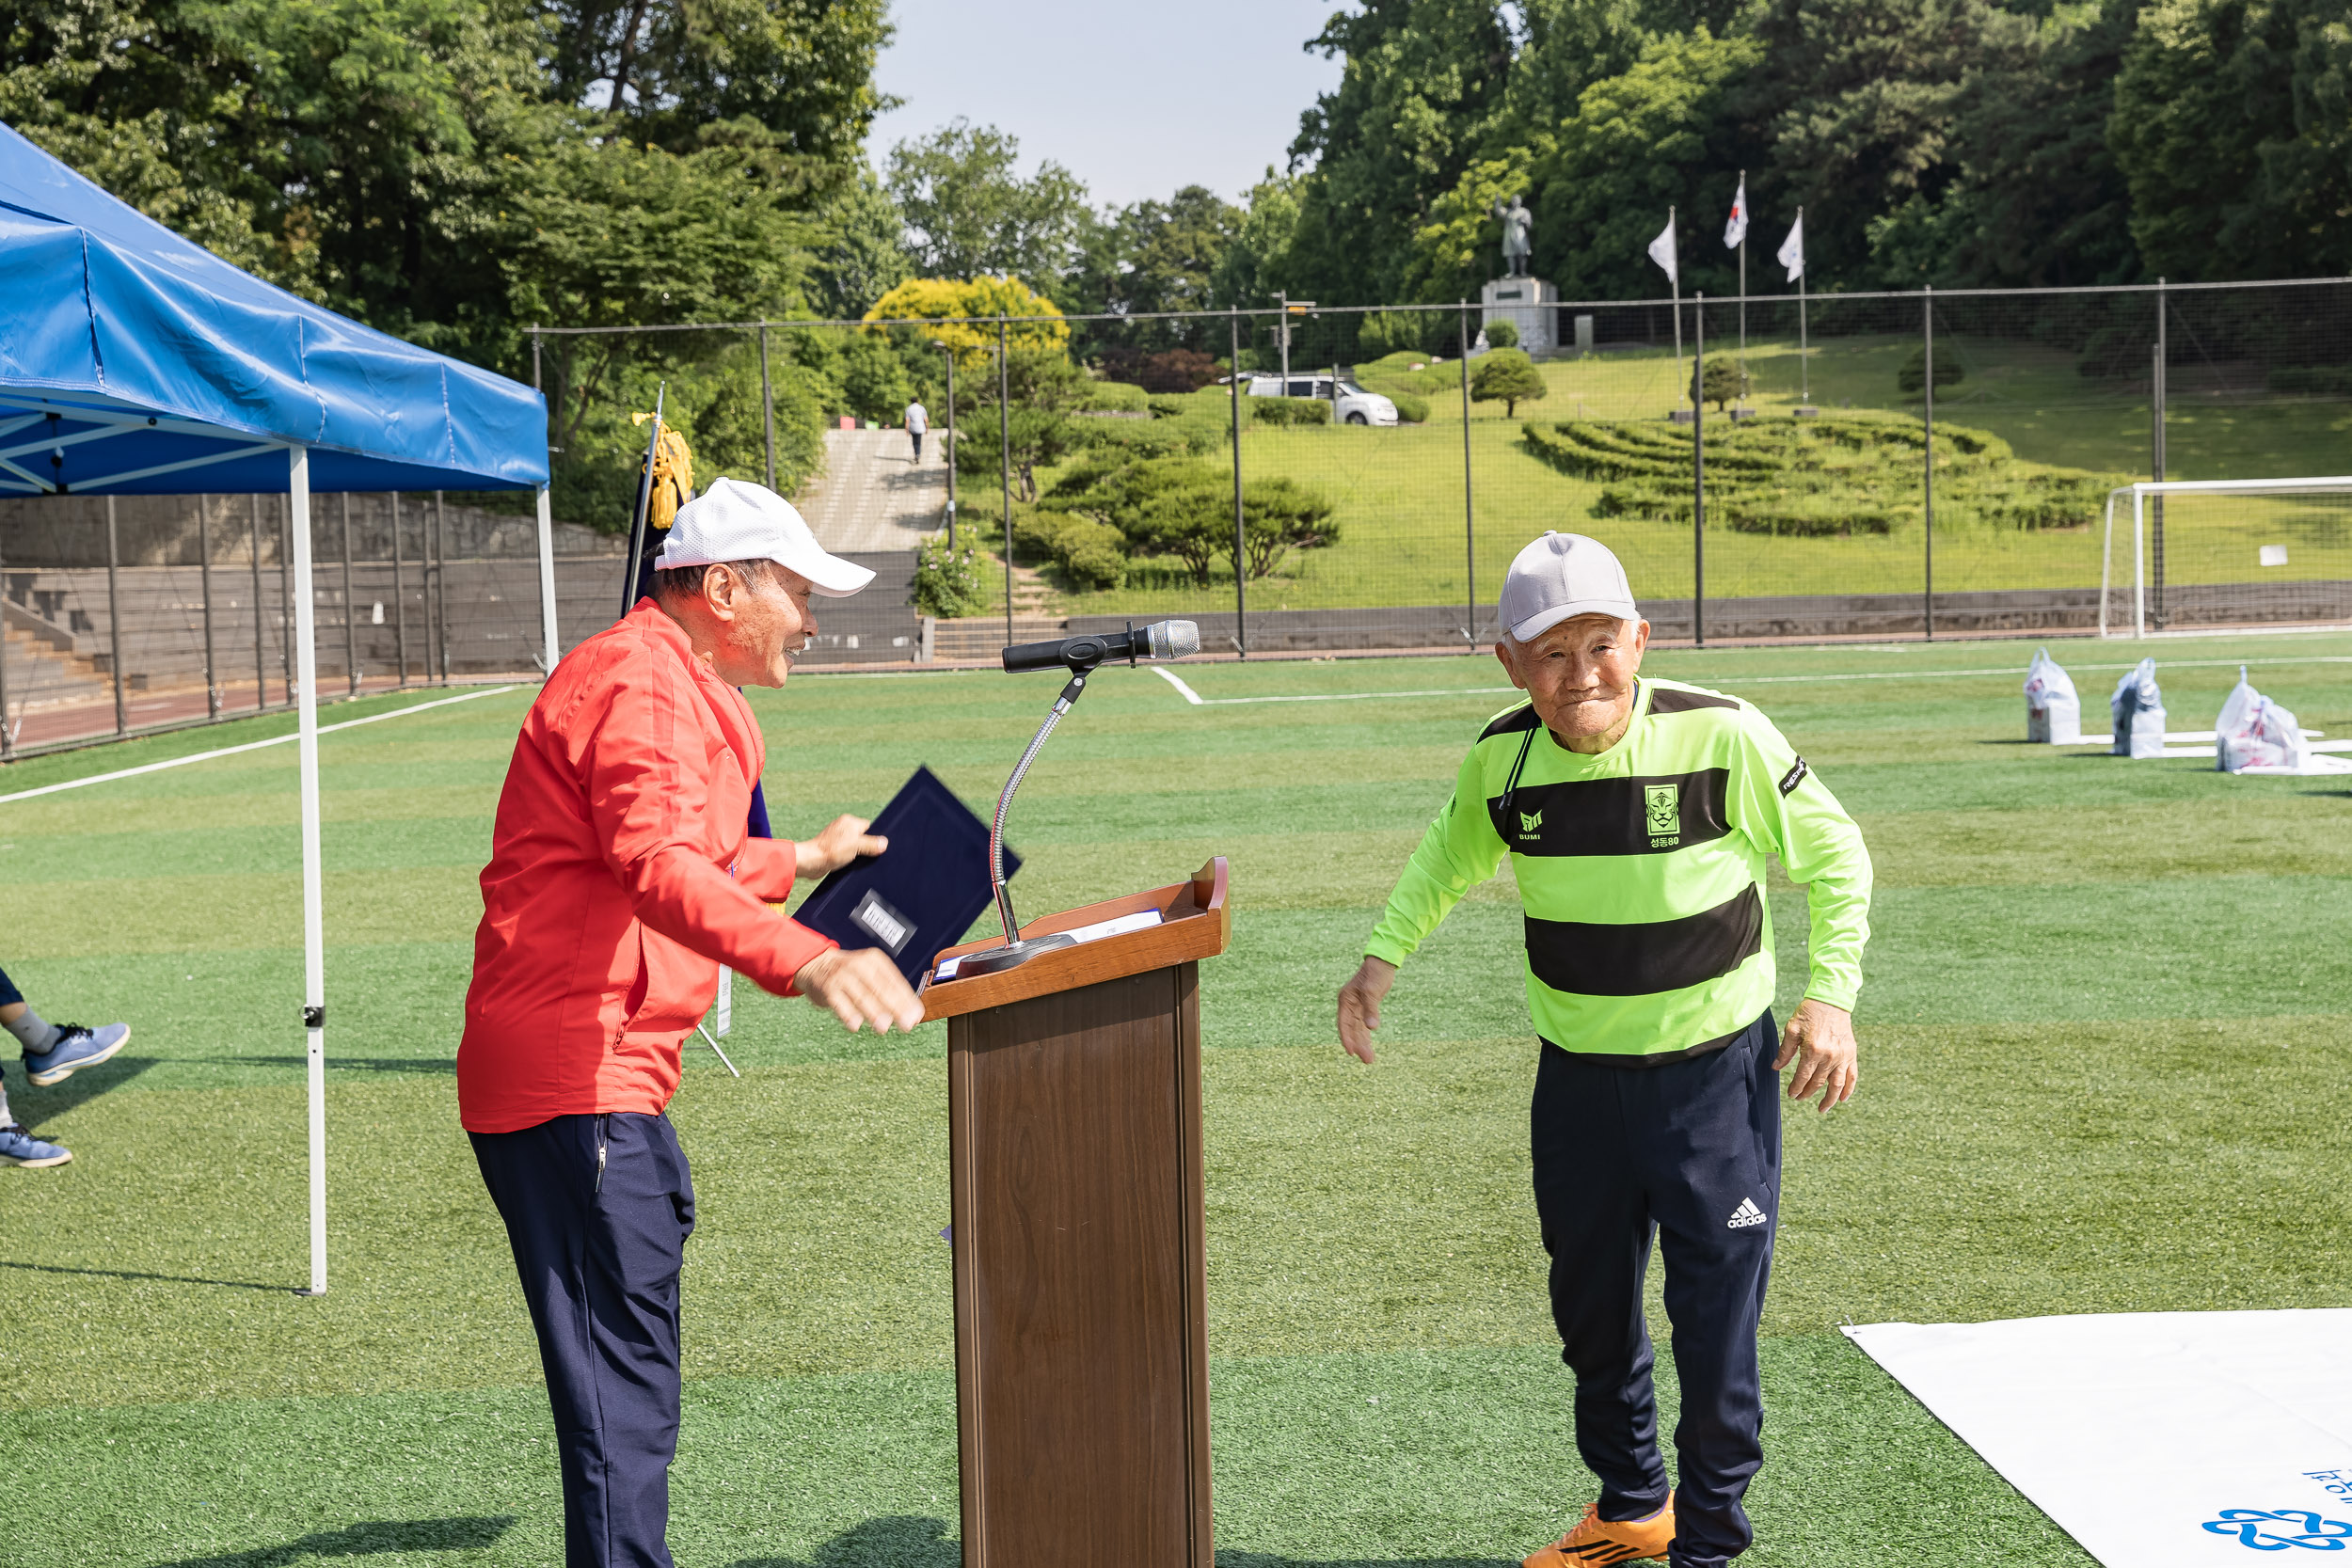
<point>1736,229</point>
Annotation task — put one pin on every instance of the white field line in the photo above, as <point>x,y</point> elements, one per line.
<point>1197,700</point>
<point>249,746</point>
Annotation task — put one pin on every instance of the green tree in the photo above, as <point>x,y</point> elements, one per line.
<point>1859,100</point>
<point>859,254</point>
<point>1664,133</point>
<point>795,77</point>
<point>2233,126</point>
<point>1911,376</point>
<point>2031,195</point>
<point>1419,87</point>
<point>1153,256</point>
<point>969,211</point>
<point>1256,263</point>
<point>1722,382</point>
<point>874,380</point>
<point>1508,377</point>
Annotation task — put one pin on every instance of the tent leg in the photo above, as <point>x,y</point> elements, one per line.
<point>313,913</point>
<point>547,580</point>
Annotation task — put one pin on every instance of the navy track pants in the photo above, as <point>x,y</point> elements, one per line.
<point>597,1209</point>
<point>1691,1152</point>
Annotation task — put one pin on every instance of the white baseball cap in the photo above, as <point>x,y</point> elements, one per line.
<point>1560,576</point>
<point>734,520</point>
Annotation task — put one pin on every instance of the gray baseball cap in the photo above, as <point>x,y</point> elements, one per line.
<point>1560,576</point>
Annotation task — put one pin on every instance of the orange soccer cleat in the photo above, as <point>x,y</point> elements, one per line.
<point>1596,1540</point>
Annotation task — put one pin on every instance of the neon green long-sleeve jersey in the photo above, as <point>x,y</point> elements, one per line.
<point>1641,871</point>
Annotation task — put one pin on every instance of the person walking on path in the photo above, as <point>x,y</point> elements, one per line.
<point>620,876</point>
<point>918,424</point>
<point>1637,814</point>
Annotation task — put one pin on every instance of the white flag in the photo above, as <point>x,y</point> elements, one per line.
<point>1793,249</point>
<point>1736,229</point>
<point>1661,250</point>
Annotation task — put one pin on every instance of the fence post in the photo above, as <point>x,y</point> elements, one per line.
<point>261,654</point>
<point>351,633</point>
<point>1698,474</point>
<point>440,577</point>
<point>1470,519</point>
<point>114,622</point>
<point>950,450</point>
<point>768,406</point>
<point>1927,491</point>
<point>400,599</point>
<point>1003,459</point>
<point>204,592</point>
<point>2156,392</point>
<point>1233,387</point>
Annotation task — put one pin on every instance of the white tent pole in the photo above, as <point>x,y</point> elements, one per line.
<point>547,580</point>
<point>313,911</point>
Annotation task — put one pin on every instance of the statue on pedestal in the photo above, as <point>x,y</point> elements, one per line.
<point>1516,221</point>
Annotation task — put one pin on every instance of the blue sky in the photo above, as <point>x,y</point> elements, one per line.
<point>1133,99</point>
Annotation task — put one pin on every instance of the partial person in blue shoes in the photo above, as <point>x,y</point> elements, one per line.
<point>53,1054</point>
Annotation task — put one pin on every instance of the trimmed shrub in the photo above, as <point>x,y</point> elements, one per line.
<point>1411,409</point>
<point>1913,376</point>
<point>1289,410</point>
<point>1502,335</point>
<point>1508,377</point>
<point>1163,407</point>
<point>946,582</point>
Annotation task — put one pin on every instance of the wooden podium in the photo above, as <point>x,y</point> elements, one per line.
<point>1073,1117</point>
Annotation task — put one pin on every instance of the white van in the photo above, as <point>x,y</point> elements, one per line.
<point>1354,406</point>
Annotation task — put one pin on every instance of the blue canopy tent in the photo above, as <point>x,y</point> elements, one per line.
<point>133,362</point>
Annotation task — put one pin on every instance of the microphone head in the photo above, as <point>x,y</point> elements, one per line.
<point>1173,639</point>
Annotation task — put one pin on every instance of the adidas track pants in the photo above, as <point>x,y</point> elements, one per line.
<point>1688,1150</point>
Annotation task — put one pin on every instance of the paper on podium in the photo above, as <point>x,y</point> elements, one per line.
<point>922,893</point>
<point>1117,925</point>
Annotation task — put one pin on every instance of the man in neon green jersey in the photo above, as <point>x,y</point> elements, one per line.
<point>1637,814</point>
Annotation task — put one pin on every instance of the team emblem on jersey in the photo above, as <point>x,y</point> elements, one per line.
<point>1662,805</point>
<point>1530,826</point>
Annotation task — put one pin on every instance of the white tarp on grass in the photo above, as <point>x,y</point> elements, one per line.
<point>2156,1439</point>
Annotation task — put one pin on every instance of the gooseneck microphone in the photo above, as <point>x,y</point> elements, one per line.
<point>1078,655</point>
<point>1160,640</point>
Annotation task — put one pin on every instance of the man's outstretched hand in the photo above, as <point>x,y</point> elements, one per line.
<point>861,988</point>
<point>1360,1005</point>
<point>1819,1040</point>
<point>844,840</point>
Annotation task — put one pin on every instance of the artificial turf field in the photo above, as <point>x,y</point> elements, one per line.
<point>2105,1033</point>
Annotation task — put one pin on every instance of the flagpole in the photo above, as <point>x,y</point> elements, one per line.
<point>1674,280</point>
<point>1743,285</point>
<point>1805,356</point>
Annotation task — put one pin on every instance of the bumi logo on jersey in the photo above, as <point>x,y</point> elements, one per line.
<point>1661,809</point>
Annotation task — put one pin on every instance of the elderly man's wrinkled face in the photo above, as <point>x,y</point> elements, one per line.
<point>1579,676</point>
<point>751,624</point>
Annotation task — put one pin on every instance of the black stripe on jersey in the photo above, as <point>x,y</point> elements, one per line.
<point>1666,698</point>
<point>1518,719</point>
<point>1644,958</point>
<point>1615,817</point>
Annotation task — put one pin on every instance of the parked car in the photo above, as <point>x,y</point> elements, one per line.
<point>1354,406</point>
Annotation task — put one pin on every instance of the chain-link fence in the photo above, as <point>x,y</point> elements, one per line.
<point>136,613</point>
<point>1311,480</point>
<point>1848,464</point>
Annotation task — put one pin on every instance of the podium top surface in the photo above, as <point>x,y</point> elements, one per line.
<point>1194,923</point>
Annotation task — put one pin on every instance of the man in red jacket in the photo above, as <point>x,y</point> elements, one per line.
<point>620,876</point>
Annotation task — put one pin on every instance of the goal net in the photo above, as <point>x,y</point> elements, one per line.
<point>2198,553</point>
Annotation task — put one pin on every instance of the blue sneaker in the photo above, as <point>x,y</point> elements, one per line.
<point>20,1147</point>
<point>75,1048</point>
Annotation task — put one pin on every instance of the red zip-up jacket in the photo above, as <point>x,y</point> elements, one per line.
<point>608,905</point>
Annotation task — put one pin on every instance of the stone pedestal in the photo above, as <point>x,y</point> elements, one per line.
<point>1529,304</point>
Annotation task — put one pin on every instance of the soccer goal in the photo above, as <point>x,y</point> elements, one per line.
<point>2226,552</point>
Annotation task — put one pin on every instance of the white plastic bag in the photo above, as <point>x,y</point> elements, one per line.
<point>2053,714</point>
<point>2255,732</point>
<point>2137,708</point>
